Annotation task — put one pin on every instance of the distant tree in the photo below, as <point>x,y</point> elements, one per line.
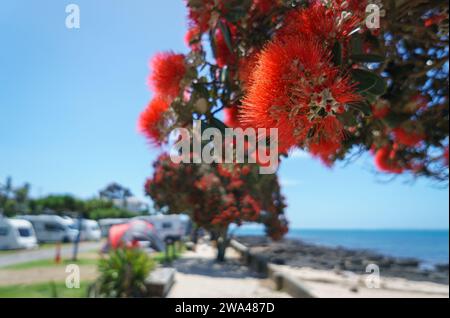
<point>115,191</point>
<point>58,204</point>
<point>106,213</point>
<point>13,200</point>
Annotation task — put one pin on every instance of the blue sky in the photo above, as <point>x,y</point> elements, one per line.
<point>69,101</point>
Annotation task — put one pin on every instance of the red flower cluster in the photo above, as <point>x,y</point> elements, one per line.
<point>224,56</point>
<point>386,161</point>
<point>152,120</point>
<point>231,116</point>
<point>214,195</point>
<point>200,14</point>
<point>168,70</point>
<point>325,23</point>
<point>380,109</point>
<point>296,88</point>
<point>407,138</point>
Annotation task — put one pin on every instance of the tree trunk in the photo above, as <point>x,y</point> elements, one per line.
<point>222,244</point>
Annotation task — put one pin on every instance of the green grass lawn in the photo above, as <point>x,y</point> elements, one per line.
<point>44,290</point>
<point>5,252</point>
<point>49,263</point>
<point>42,246</point>
<point>59,290</point>
<point>160,257</point>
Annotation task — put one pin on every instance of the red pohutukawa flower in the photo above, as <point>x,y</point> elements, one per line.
<point>168,71</point>
<point>151,120</point>
<point>193,39</point>
<point>295,88</point>
<point>380,109</point>
<point>445,156</point>
<point>327,142</point>
<point>385,160</point>
<point>200,14</point>
<point>231,116</point>
<point>264,6</point>
<point>246,66</point>
<point>224,56</point>
<point>407,138</point>
<point>325,23</point>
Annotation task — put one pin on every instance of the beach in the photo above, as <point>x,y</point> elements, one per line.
<point>338,272</point>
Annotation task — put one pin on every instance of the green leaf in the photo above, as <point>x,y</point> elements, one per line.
<point>213,43</point>
<point>224,75</point>
<point>369,82</point>
<point>348,119</point>
<point>337,53</point>
<point>395,120</point>
<point>363,107</point>
<point>356,43</point>
<point>367,58</point>
<point>226,34</point>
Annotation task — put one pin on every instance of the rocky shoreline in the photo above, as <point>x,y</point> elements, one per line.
<point>296,253</point>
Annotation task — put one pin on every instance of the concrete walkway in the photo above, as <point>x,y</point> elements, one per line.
<point>199,275</point>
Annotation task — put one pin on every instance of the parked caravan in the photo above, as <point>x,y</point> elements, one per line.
<point>52,228</point>
<point>16,234</point>
<point>90,230</point>
<point>168,227</point>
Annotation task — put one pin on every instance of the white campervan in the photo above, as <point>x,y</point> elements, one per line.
<point>168,226</point>
<point>90,231</point>
<point>51,228</point>
<point>16,234</point>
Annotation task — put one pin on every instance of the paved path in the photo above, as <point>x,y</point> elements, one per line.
<point>45,253</point>
<point>199,275</point>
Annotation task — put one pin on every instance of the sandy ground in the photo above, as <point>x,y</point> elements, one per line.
<point>329,284</point>
<point>43,275</point>
<point>47,274</point>
<point>198,275</point>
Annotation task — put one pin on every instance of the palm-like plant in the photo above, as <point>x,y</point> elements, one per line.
<point>123,273</point>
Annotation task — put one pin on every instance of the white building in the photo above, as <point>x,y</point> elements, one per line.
<point>131,204</point>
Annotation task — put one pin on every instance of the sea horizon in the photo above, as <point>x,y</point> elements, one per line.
<point>430,246</point>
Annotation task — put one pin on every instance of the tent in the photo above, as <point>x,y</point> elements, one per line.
<point>129,234</point>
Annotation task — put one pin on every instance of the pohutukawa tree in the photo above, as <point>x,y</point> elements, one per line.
<point>325,73</point>
<point>216,196</point>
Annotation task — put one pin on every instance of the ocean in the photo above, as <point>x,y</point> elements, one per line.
<point>429,246</point>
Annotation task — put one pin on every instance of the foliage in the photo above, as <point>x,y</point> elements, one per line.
<point>115,191</point>
<point>123,273</point>
<point>217,195</point>
<point>57,203</point>
<point>44,290</point>
<point>16,200</point>
<point>316,71</point>
<point>105,213</point>
<point>329,81</point>
<point>13,200</point>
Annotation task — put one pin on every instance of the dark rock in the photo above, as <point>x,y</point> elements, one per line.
<point>300,254</point>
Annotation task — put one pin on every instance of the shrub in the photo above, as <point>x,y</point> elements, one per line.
<point>123,273</point>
